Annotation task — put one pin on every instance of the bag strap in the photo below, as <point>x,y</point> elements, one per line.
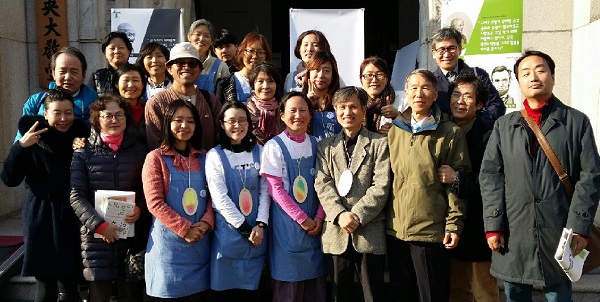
<point>562,175</point>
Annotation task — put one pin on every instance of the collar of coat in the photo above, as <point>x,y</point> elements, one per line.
<point>404,121</point>
<point>363,139</point>
<point>556,114</point>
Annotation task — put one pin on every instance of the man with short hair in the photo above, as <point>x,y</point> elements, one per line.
<point>185,67</point>
<point>470,261</point>
<point>446,47</point>
<point>525,204</point>
<point>501,80</point>
<point>68,66</point>
<point>352,183</point>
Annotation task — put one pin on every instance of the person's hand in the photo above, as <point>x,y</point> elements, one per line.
<point>496,243</point>
<point>389,111</point>
<point>385,128</point>
<point>193,234</point>
<point>451,240</point>
<point>204,227</point>
<point>578,243</point>
<point>257,235</point>
<point>348,221</point>
<point>31,137</point>
<point>308,224</point>
<point>110,234</point>
<point>78,143</point>
<point>311,94</point>
<point>317,230</point>
<point>134,216</point>
<point>300,78</point>
<point>446,174</point>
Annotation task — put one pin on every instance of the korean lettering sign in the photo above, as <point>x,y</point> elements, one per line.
<point>52,35</point>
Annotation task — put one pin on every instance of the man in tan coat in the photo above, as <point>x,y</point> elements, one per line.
<point>352,183</point>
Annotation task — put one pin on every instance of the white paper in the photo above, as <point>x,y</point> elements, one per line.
<point>571,264</point>
<point>113,206</point>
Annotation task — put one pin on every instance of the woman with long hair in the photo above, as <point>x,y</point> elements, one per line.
<point>174,177</point>
<point>375,79</point>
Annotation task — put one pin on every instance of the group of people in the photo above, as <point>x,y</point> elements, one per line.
<point>234,169</point>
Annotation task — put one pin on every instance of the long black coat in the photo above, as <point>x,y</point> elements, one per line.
<point>98,167</point>
<point>50,227</point>
<point>472,245</point>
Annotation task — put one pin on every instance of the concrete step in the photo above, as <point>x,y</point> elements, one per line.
<point>18,289</point>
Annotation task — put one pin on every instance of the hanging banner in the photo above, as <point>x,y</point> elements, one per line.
<point>345,31</point>
<point>52,34</point>
<point>145,25</point>
<point>492,39</point>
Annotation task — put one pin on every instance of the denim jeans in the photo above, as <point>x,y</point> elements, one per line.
<point>516,292</point>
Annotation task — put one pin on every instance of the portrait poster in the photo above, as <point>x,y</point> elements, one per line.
<point>492,39</point>
<point>345,31</point>
<point>145,25</point>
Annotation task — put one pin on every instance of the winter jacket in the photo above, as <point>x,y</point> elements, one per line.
<point>472,245</point>
<point>50,227</point>
<point>102,80</point>
<point>523,197</point>
<point>98,167</point>
<point>421,208</point>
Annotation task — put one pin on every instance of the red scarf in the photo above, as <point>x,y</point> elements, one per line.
<point>266,111</point>
<point>536,113</point>
<point>113,141</point>
<point>297,138</point>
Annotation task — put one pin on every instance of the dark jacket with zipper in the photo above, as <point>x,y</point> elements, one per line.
<point>98,167</point>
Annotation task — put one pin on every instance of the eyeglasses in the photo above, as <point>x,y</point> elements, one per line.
<point>251,52</point>
<point>378,76</point>
<point>467,98</point>
<point>119,116</point>
<point>241,122</point>
<point>450,49</point>
<point>189,64</point>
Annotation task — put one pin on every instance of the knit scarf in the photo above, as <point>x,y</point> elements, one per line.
<point>113,141</point>
<point>266,111</point>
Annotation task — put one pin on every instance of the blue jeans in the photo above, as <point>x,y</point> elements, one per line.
<point>517,292</point>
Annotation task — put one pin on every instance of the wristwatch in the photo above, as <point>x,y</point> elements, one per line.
<point>261,225</point>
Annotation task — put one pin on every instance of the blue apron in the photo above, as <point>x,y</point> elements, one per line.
<point>206,81</point>
<point>293,255</point>
<point>240,94</point>
<point>175,268</point>
<point>325,124</point>
<point>234,261</point>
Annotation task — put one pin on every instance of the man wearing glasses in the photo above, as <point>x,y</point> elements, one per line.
<point>446,47</point>
<point>185,67</point>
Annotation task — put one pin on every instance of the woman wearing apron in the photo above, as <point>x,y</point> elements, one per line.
<point>241,200</point>
<point>322,82</point>
<point>178,252</point>
<point>288,163</point>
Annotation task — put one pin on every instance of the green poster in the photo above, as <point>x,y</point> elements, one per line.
<point>499,28</point>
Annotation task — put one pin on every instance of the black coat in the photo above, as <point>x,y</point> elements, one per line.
<point>102,80</point>
<point>225,90</point>
<point>98,167</point>
<point>50,227</point>
<point>472,245</point>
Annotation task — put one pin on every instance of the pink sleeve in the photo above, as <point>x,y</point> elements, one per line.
<point>320,212</point>
<point>284,200</point>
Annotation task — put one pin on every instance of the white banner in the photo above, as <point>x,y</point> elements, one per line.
<point>144,25</point>
<point>345,31</point>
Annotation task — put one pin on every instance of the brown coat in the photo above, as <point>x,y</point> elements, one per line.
<point>367,197</point>
<point>157,105</point>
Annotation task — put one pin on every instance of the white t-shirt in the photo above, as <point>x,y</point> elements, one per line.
<point>217,185</point>
<point>272,159</point>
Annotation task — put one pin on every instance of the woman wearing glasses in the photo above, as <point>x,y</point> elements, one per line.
<point>42,158</point>
<point>253,50</point>
<point>201,35</point>
<point>375,79</point>
<point>322,82</point>
<point>264,102</point>
<point>241,201</point>
<point>111,160</point>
